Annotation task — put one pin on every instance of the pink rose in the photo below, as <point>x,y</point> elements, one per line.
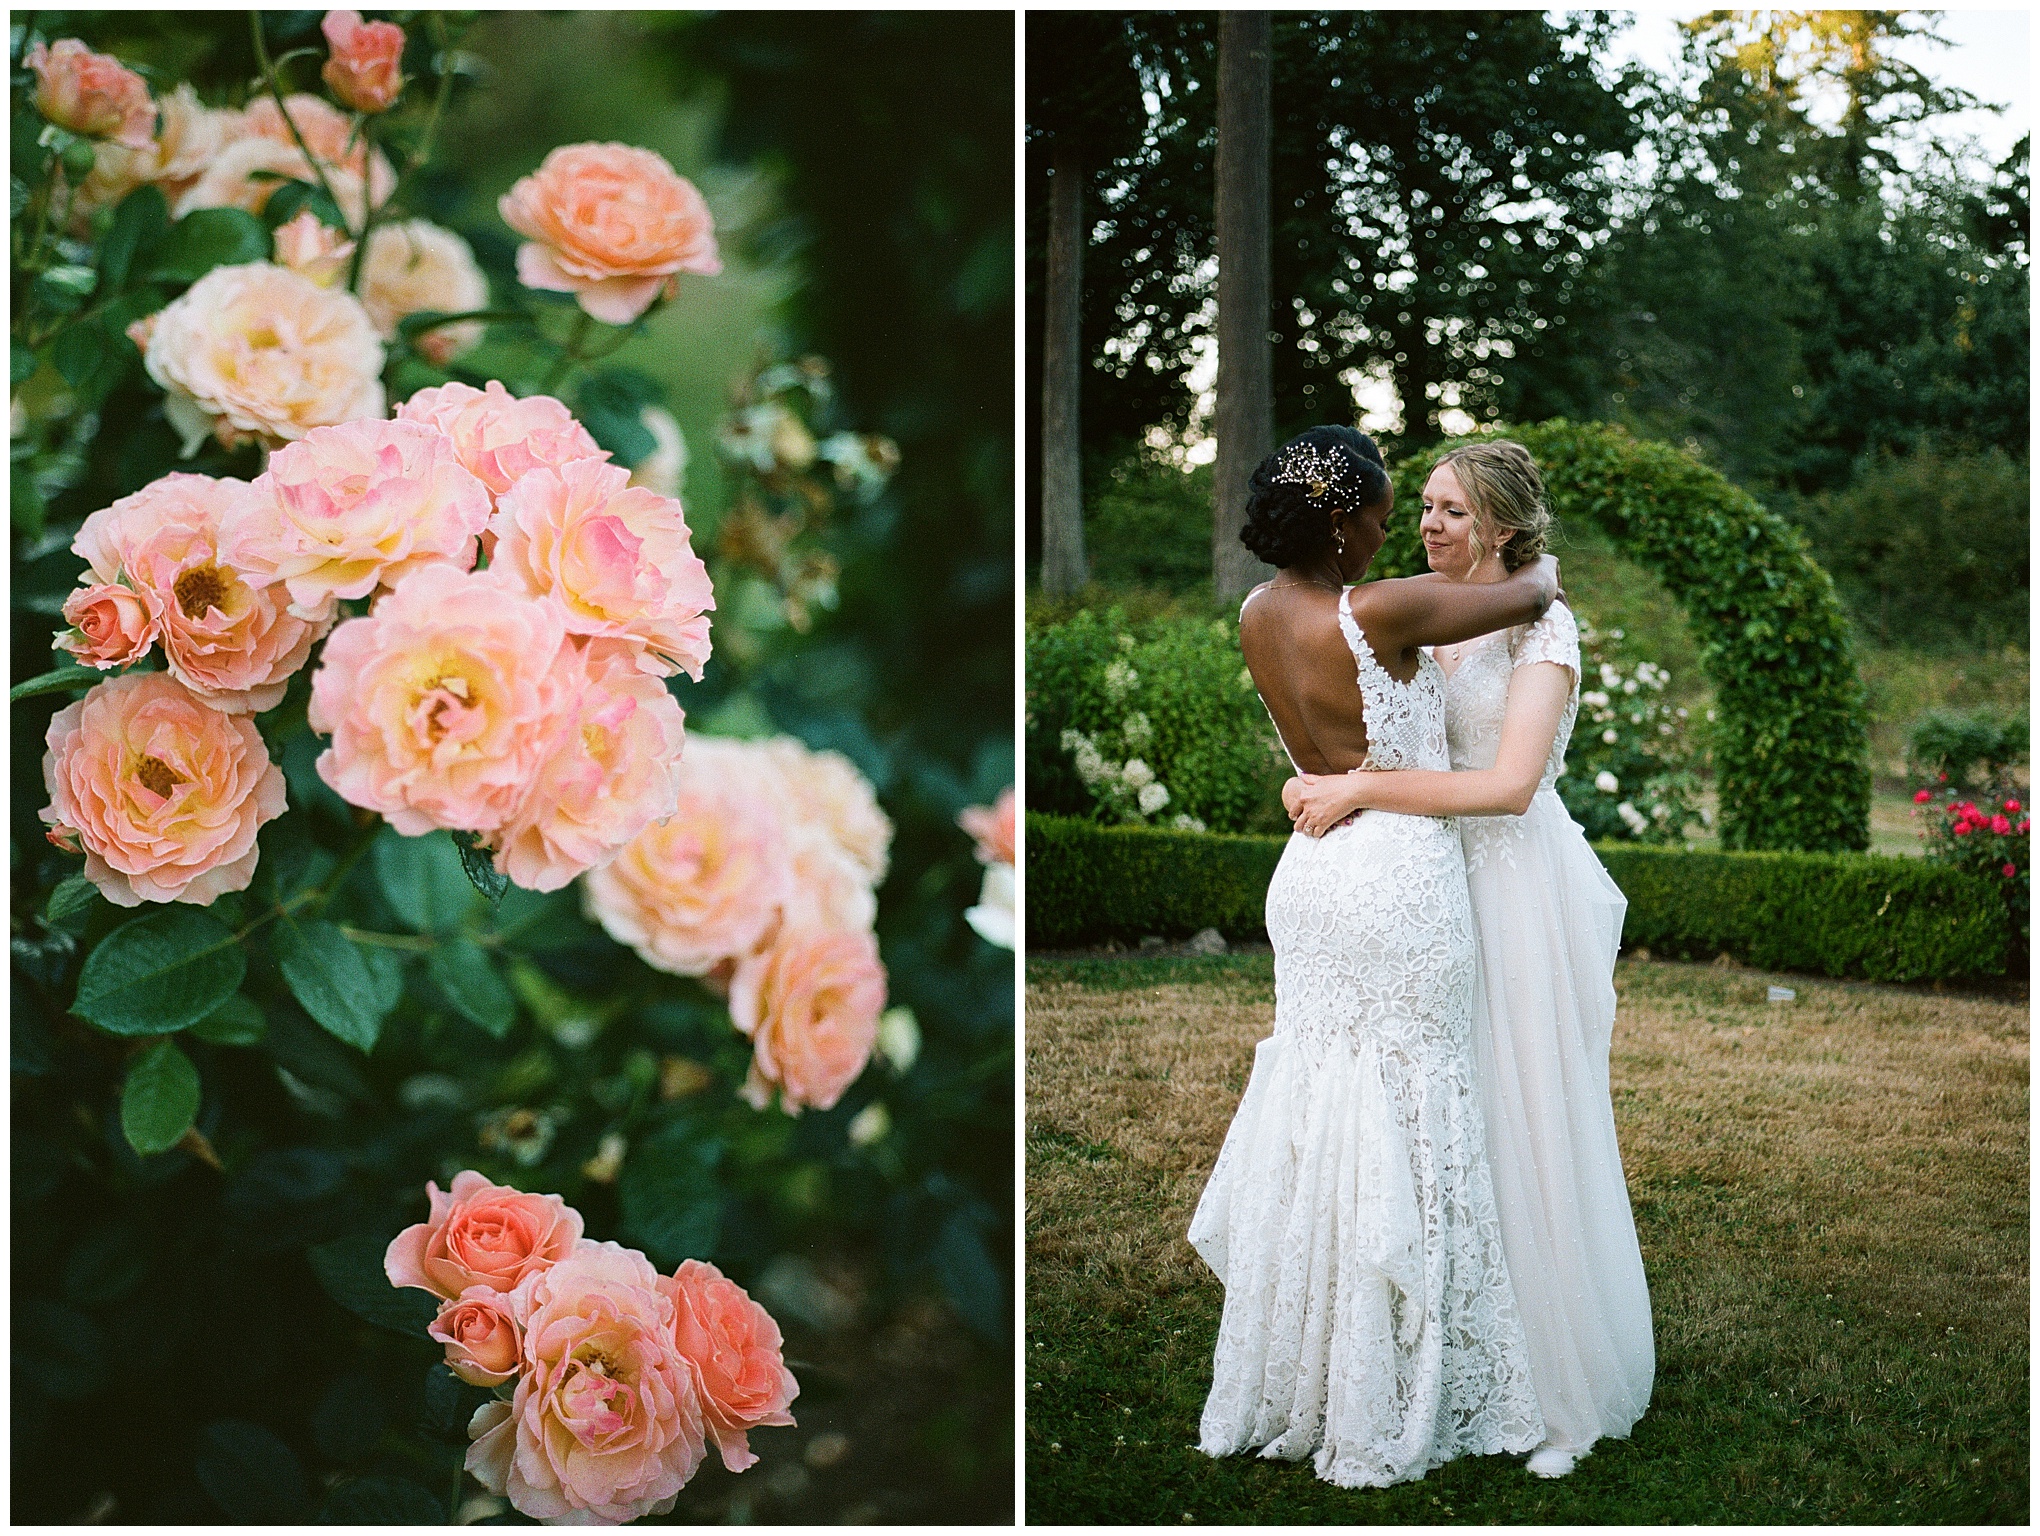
<point>484,1342</point>
<point>826,790</point>
<point>414,265</point>
<point>481,1235</point>
<point>2012,806</point>
<point>610,771</point>
<point>1923,797</point>
<point>2000,825</point>
<point>164,793</point>
<point>111,624</point>
<point>734,1346</point>
<point>606,1424</point>
<point>617,556</point>
<point>361,505</point>
<point>316,250</point>
<point>829,889</point>
<point>437,702</point>
<point>611,224</point>
<point>992,826</point>
<point>189,136</point>
<point>497,436</point>
<point>228,636</point>
<point>2011,870</point>
<point>708,883</point>
<point>327,132</point>
<point>92,94</point>
<point>258,353</point>
<point>363,70</point>
<point>810,1004</point>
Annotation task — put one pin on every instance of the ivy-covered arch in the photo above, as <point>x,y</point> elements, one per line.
<point>1790,744</point>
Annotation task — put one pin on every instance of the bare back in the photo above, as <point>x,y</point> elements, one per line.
<point>1306,674</point>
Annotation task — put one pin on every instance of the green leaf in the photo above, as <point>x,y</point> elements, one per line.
<point>208,238</point>
<point>138,224</point>
<point>328,974</point>
<point>481,866</point>
<point>160,973</point>
<point>464,972</point>
<point>671,1202</point>
<point>237,1021</point>
<point>251,1472</point>
<point>381,1501</point>
<point>26,511</point>
<point>62,680</point>
<point>612,420</point>
<point>292,198</point>
<point>21,363</point>
<point>971,1278</point>
<point>424,880</point>
<point>69,903</point>
<point>160,1098</point>
<point>351,1270</point>
<point>79,352</point>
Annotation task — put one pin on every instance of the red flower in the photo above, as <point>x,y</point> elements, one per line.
<point>1927,794</point>
<point>1962,829</point>
<point>2000,825</point>
<point>1943,779</point>
<point>2011,870</point>
<point>2012,806</point>
<point>2024,825</point>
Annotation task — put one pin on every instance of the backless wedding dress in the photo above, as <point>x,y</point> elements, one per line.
<point>1549,921</point>
<point>1368,1320</point>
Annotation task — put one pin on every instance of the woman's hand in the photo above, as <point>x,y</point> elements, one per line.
<point>1319,802</point>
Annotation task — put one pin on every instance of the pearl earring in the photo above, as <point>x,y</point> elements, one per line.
<point>1339,542</point>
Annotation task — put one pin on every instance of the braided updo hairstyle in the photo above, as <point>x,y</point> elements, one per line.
<point>1295,490</point>
<point>1507,494</point>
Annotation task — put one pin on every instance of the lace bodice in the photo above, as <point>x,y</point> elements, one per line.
<point>1477,694</point>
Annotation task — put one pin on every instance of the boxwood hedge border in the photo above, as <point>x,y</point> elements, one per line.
<point>1832,914</point>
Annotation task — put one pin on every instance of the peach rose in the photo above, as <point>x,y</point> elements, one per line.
<point>484,1342</point>
<point>188,138</point>
<point>734,1346</point>
<point>328,133</point>
<point>606,1424</point>
<point>826,789</point>
<point>92,94</point>
<point>364,69</point>
<point>829,888</point>
<point>415,265</point>
<point>164,793</point>
<point>244,173</point>
<point>257,352</point>
<point>437,701</point>
<point>497,436</point>
<point>610,224</point>
<point>352,507</point>
<point>481,1235</point>
<point>992,826</point>
<point>111,625</point>
<point>316,250</point>
<point>618,557</point>
<point>610,772</point>
<point>810,1004</point>
<point>709,882</point>
<point>226,635</point>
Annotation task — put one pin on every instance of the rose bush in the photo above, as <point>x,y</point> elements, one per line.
<point>383,615</point>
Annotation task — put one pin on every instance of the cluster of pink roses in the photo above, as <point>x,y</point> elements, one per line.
<point>616,1377</point>
<point>1963,819</point>
<point>523,703</point>
<point>763,880</point>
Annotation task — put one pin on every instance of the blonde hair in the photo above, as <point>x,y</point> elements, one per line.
<point>1507,494</point>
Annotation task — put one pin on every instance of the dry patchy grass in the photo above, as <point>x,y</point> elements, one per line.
<point>1831,1196</point>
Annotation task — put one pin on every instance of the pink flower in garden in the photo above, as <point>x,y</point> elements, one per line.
<point>259,353</point>
<point>2012,806</point>
<point>164,793</point>
<point>618,558</point>
<point>363,70</point>
<point>826,789</point>
<point>189,136</point>
<point>992,826</point>
<point>415,265</point>
<point>111,624</point>
<point>2024,824</point>
<point>709,882</point>
<point>361,505</point>
<point>262,152</point>
<point>829,888</point>
<point>610,771</point>
<point>606,1424</point>
<point>481,1234</point>
<point>484,1342</point>
<point>313,249</point>
<point>1962,829</point>
<point>497,436</point>
<point>437,701</point>
<point>226,635</point>
<point>735,1348</point>
<point>327,132</point>
<point>2011,870</point>
<point>92,94</point>
<point>610,224</point>
<point>1923,797</point>
<point>2000,825</point>
<point>810,1005</point>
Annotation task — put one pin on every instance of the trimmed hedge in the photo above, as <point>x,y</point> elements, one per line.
<point>1837,914</point>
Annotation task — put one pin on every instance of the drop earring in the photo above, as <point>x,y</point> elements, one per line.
<point>1339,541</point>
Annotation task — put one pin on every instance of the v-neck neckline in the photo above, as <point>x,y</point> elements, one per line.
<point>1466,655</point>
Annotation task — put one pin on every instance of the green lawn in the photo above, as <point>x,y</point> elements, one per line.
<point>1831,1196</point>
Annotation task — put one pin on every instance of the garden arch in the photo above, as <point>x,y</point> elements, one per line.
<point>1790,743</point>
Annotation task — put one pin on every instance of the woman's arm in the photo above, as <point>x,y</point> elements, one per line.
<point>1537,699</point>
<point>1433,610</point>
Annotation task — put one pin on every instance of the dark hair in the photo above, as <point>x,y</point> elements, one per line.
<point>1296,489</point>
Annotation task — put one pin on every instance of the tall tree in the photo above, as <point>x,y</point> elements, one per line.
<point>1062,367</point>
<point>1245,406</point>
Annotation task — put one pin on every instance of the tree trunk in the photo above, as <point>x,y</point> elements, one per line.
<point>1062,479</point>
<point>1245,409</point>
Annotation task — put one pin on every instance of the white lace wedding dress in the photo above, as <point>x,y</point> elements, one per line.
<point>1549,922</point>
<point>1368,1318</point>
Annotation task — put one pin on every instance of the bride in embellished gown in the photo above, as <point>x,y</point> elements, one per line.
<point>1368,1320</point>
<point>1549,922</point>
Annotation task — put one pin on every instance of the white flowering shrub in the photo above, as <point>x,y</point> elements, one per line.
<point>1629,771</point>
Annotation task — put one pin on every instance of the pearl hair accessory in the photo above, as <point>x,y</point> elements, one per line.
<point>1319,469</point>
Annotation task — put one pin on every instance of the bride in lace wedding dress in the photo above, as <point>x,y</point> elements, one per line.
<point>1368,1320</point>
<point>1549,922</point>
